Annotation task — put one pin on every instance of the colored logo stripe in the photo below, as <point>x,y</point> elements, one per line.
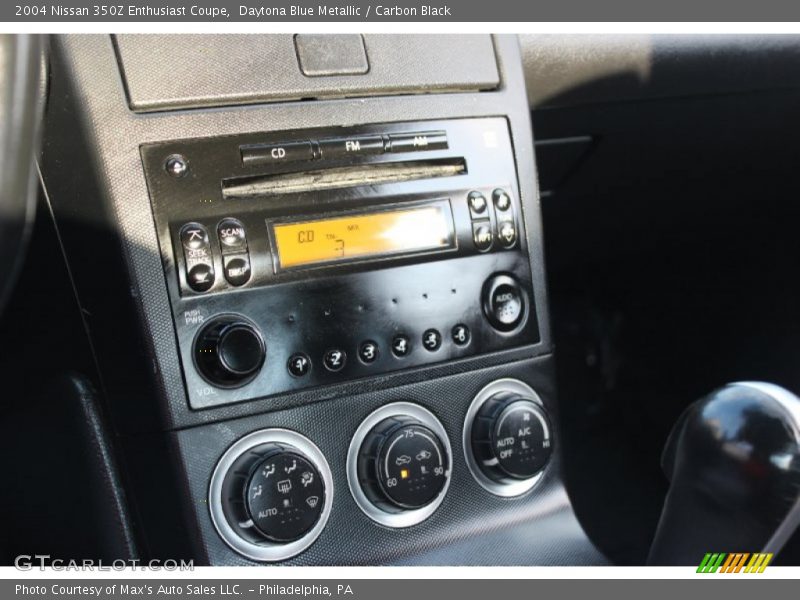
<point>734,562</point>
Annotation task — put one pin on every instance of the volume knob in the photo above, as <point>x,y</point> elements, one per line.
<point>229,351</point>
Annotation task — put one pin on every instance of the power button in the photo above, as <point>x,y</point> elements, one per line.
<point>505,303</point>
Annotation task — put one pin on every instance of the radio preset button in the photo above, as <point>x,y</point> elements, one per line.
<point>477,204</point>
<point>232,236</point>
<point>501,200</point>
<point>264,154</point>
<point>299,364</point>
<point>460,335</point>
<point>432,340</point>
<point>482,235</point>
<point>504,302</point>
<point>507,234</point>
<point>361,145</point>
<point>237,269</point>
<point>400,346</point>
<point>368,352</point>
<point>194,237</point>
<point>200,277</point>
<point>334,360</point>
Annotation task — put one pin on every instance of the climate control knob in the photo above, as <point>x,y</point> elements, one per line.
<point>402,463</point>
<point>399,464</point>
<point>507,437</point>
<point>270,495</point>
<point>229,351</point>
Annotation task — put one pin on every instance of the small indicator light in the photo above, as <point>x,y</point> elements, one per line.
<point>403,473</point>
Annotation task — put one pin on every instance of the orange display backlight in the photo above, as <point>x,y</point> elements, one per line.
<point>364,235</point>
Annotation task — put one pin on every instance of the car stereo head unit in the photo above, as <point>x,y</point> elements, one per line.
<point>310,258</point>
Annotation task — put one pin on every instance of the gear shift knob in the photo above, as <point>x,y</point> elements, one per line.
<point>733,461</point>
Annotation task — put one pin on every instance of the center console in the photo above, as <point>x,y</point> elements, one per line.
<point>322,256</point>
<point>334,345</point>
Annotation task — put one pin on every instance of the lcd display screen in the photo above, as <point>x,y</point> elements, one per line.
<point>364,235</point>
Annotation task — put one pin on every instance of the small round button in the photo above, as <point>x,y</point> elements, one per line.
<point>237,270</point>
<point>460,335</point>
<point>232,235</point>
<point>431,340</point>
<point>194,236</point>
<point>507,234</point>
<point>477,203</point>
<point>368,352</point>
<point>176,166</point>
<point>334,359</point>
<point>501,200</point>
<point>200,277</point>
<point>285,496</point>
<point>400,346</point>
<point>482,236</point>
<point>299,364</point>
<point>504,302</point>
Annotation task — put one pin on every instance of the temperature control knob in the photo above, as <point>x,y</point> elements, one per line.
<point>511,437</point>
<point>403,464</point>
<point>229,351</point>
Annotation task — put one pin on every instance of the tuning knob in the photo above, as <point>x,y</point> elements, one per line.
<point>229,351</point>
<point>507,437</point>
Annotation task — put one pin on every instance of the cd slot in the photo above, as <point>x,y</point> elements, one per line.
<point>341,177</point>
